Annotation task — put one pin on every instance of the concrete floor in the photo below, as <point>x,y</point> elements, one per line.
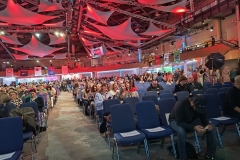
<point>73,136</point>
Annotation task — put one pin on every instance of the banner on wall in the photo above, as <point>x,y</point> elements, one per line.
<point>157,58</point>
<point>166,58</point>
<point>64,70</point>
<point>51,70</point>
<point>23,73</point>
<point>177,56</point>
<point>38,71</point>
<point>9,72</point>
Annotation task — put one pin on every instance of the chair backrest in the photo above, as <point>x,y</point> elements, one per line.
<point>223,89</point>
<point>147,115</point>
<point>182,94</point>
<point>222,101</point>
<point>44,97</point>
<point>226,86</point>
<point>11,134</point>
<point>197,92</point>
<point>33,105</point>
<point>165,91</point>
<point>165,107</point>
<point>132,102</point>
<point>228,83</point>
<point>166,95</point>
<point>108,103</point>
<point>152,93</point>
<point>212,107</point>
<point>213,91</point>
<point>150,98</point>
<point>215,86</point>
<point>122,118</point>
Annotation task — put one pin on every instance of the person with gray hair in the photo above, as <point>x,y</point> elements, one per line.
<point>233,99</point>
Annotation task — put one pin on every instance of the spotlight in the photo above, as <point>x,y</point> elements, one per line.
<point>2,33</point>
<point>37,34</point>
<point>203,22</point>
<point>129,54</point>
<point>37,61</point>
<point>56,33</point>
<point>61,34</point>
<point>50,60</point>
<point>211,29</point>
<point>7,62</point>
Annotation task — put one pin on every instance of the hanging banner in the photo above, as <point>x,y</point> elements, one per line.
<point>157,60</point>
<point>177,56</point>
<point>51,70</point>
<point>23,72</point>
<point>64,70</point>
<point>9,72</point>
<point>38,71</point>
<point>166,58</point>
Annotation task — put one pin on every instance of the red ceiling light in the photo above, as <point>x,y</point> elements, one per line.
<point>179,10</point>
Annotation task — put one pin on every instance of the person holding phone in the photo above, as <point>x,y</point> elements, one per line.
<point>188,115</point>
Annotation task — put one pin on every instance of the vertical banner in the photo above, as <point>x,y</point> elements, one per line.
<point>51,70</point>
<point>166,58</point>
<point>9,72</point>
<point>64,70</point>
<point>157,60</point>
<point>23,72</point>
<point>177,56</point>
<point>38,71</point>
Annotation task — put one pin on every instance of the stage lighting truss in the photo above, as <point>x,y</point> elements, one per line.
<point>32,29</point>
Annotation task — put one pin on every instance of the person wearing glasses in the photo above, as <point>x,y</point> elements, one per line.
<point>14,98</point>
<point>193,85</point>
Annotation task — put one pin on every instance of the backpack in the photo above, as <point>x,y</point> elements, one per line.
<point>190,151</point>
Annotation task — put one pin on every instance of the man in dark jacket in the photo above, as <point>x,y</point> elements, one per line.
<point>188,115</point>
<point>154,86</point>
<point>194,85</point>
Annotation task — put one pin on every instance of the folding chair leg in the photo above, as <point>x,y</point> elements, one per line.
<point>174,149</point>
<point>139,145</point>
<point>162,143</point>
<point>32,148</point>
<point>224,128</point>
<point>113,148</point>
<point>219,138</point>
<point>197,141</point>
<point>146,148</point>
<point>238,131</point>
<point>108,138</point>
<point>118,156</point>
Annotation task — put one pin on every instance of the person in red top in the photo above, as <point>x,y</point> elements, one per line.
<point>194,75</point>
<point>133,88</point>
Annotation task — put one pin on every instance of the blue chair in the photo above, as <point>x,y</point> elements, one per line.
<point>165,91</point>
<point>228,83</point>
<point>151,93</point>
<point>223,89</point>
<point>150,98</point>
<point>197,92</point>
<point>45,107</point>
<point>166,106</point>
<point>212,112</point>
<point>141,93</point>
<point>106,109</point>
<point>34,106</point>
<point>148,120</point>
<point>166,95</point>
<point>205,88</point>
<point>182,94</point>
<point>123,123</point>
<point>11,137</point>
<point>213,91</point>
<point>132,102</point>
<point>215,86</point>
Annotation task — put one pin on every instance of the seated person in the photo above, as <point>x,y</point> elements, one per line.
<point>233,99</point>
<point>181,86</point>
<point>35,98</point>
<point>188,115</point>
<point>154,86</point>
<point>193,85</point>
<point>14,98</point>
<point>5,105</point>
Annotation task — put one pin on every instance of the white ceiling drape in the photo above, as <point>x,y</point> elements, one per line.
<point>16,14</point>
<point>12,39</point>
<point>154,2</point>
<point>154,31</point>
<point>99,16</point>
<point>60,56</point>
<point>87,42</point>
<point>121,32</point>
<point>56,40</point>
<point>58,24</point>
<point>36,48</point>
<point>20,57</point>
<point>176,8</point>
<point>46,5</point>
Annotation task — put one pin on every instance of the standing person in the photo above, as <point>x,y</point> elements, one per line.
<point>226,74</point>
<point>188,115</point>
<point>194,75</point>
<point>214,76</point>
<point>206,77</point>
<point>213,40</point>
<point>200,76</point>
